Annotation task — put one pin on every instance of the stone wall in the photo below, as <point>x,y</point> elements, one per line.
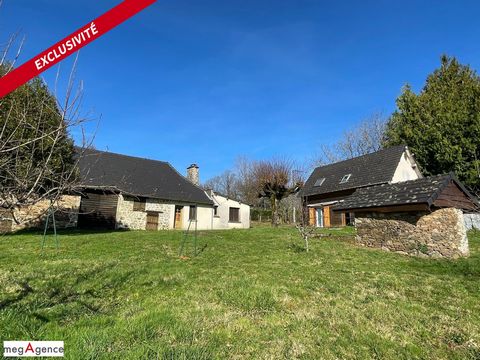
<point>165,212</point>
<point>137,220</point>
<point>440,234</point>
<point>34,216</point>
<point>472,221</point>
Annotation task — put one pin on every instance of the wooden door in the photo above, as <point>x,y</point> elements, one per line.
<point>178,217</point>
<point>152,221</point>
<point>326,216</point>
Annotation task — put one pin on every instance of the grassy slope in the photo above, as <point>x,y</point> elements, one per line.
<point>250,294</point>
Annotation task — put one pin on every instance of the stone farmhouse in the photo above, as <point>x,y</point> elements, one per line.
<point>392,205</point>
<point>329,185</point>
<point>125,192</point>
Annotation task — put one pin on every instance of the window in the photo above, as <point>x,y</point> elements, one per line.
<point>192,214</point>
<point>234,215</point>
<point>345,179</point>
<point>215,210</point>
<point>319,182</point>
<point>139,204</point>
<point>349,218</point>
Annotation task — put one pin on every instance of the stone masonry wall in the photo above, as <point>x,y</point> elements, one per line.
<point>472,221</point>
<point>34,216</point>
<point>137,220</point>
<point>440,234</point>
<point>165,212</point>
<point>127,218</point>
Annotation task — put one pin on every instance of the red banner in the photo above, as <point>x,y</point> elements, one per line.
<point>71,44</point>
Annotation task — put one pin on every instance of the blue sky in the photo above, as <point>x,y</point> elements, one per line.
<point>206,81</point>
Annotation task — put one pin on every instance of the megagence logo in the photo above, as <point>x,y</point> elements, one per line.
<point>33,348</point>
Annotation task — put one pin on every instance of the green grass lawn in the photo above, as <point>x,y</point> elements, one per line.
<point>250,294</point>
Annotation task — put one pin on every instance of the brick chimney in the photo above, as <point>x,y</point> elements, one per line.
<point>192,174</point>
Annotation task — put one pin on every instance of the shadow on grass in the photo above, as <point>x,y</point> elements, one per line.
<point>468,267</point>
<point>26,289</point>
<point>296,248</point>
<point>65,232</point>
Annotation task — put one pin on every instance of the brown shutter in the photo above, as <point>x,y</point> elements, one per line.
<point>326,216</point>
<point>311,213</point>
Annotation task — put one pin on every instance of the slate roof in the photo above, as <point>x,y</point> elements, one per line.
<point>421,191</point>
<point>137,177</point>
<point>367,170</point>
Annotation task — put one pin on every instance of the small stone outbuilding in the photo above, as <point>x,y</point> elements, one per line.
<point>422,217</point>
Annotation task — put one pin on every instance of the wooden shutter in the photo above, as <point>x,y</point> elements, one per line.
<point>326,216</point>
<point>139,204</point>
<point>234,215</point>
<point>311,217</point>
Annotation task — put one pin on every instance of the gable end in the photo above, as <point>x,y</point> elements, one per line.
<point>453,196</point>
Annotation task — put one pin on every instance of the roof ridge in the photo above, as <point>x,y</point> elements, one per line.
<point>425,178</point>
<point>361,156</point>
<point>127,156</point>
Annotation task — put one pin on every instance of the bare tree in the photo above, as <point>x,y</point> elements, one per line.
<point>274,181</point>
<point>247,186</point>
<point>306,230</point>
<point>225,184</point>
<point>290,208</point>
<point>37,154</point>
<point>363,139</point>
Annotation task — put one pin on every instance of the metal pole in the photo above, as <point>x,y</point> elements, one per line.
<point>195,236</point>
<point>45,230</point>
<point>55,228</point>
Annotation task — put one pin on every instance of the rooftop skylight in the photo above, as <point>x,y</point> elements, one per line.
<point>319,182</point>
<point>345,178</point>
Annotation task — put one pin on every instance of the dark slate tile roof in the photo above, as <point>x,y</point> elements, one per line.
<point>420,191</point>
<point>138,177</point>
<point>371,169</point>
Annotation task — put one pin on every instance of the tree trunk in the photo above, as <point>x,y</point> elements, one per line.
<point>274,211</point>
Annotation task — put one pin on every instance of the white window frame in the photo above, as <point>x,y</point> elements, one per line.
<point>319,182</point>
<point>319,216</point>
<point>345,178</point>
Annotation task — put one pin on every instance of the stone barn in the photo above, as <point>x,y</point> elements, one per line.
<point>422,217</point>
<point>126,192</point>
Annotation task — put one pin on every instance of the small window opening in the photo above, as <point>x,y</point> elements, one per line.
<point>192,214</point>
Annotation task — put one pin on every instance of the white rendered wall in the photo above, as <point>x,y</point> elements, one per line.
<point>204,217</point>
<point>405,170</point>
<point>221,221</point>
